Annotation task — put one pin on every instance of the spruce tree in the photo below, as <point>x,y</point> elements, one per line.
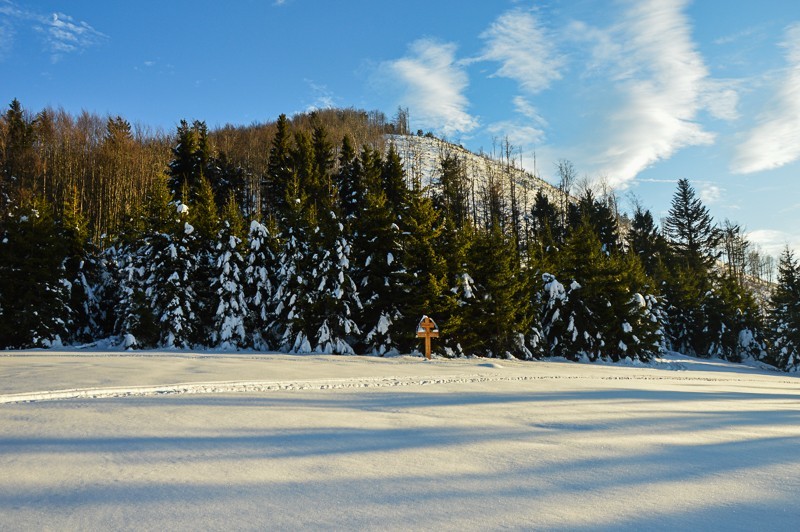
<point>693,240</point>
<point>279,173</point>
<point>784,314</point>
<point>605,307</point>
<point>334,298</point>
<point>228,331</point>
<point>646,241</point>
<point>497,319</point>
<point>183,169</point>
<point>380,273</point>
<point>261,283</point>
<point>34,291</point>
<point>204,218</point>
<point>348,180</point>
<point>428,292</point>
<point>393,178</point>
<point>691,230</point>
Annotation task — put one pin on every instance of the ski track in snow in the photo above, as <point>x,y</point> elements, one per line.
<point>320,384</point>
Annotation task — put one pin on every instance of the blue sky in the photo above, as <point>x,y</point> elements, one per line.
<point>639,93</point>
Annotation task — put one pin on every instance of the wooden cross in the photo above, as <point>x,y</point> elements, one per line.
<point>427,329</point>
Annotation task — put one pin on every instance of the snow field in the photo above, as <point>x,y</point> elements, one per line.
<point>287,442</point>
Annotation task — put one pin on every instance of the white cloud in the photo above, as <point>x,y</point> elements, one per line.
<point>525,50</point>
<point>433,85</point>
<point>522,134</point>
<point>527,55</point>
<point>323,97</point>
<point>775,140</point>
<point>62,33</point>
<point>663,80</point>
<point>518,134</point>
<point>721,100</point>
<point>66,35</point>
<point>6,38</point>
<point>773,241</point>
<point>710,193</point>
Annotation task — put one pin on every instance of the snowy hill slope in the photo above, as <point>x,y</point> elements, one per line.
<point>422,158</point>
<point>287,442</point>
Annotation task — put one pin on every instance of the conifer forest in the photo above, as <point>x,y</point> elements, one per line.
<point>311,234</point>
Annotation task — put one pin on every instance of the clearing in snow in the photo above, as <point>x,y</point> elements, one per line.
<point>186,441</point>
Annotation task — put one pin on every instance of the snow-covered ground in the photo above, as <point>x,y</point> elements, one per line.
<point>187,441</point>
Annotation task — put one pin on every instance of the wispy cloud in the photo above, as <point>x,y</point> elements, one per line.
<point>62,33</point>
<point>66,35</point>
<point>433,85</point>
<point>527,54</point>
<point>662,79</point>
<point>775,140</point>
<point>710,193</point>
<point>773,241</point>
<point>323,97</point>
<point>524,49</point>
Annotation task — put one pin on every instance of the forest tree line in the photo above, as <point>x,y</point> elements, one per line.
<point>307,235</point>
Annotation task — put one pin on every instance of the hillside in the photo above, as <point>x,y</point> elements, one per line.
<point>422,156</point>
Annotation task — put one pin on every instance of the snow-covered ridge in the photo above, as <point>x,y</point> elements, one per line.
<point>422,158</point>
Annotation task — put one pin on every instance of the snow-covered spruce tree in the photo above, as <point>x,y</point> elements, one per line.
<point>294,293</point>
<point>381,274</point>
<point>203,217</point>
<point>260,284</point>
<point>733,329</point>
<point>34,292</point>
<point>784,314</point>
<point>129,260</point>
<point>606,314</point>
<point>498,317</point>
<point>335,302</point>
<point>454,243</point>
<point>334,297</point>
<point>228,331</point>
<point>567,325</point>
<point>82,270</point>
<point>168,282</point>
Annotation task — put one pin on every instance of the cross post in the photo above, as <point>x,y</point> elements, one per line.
<point>427,329</point>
